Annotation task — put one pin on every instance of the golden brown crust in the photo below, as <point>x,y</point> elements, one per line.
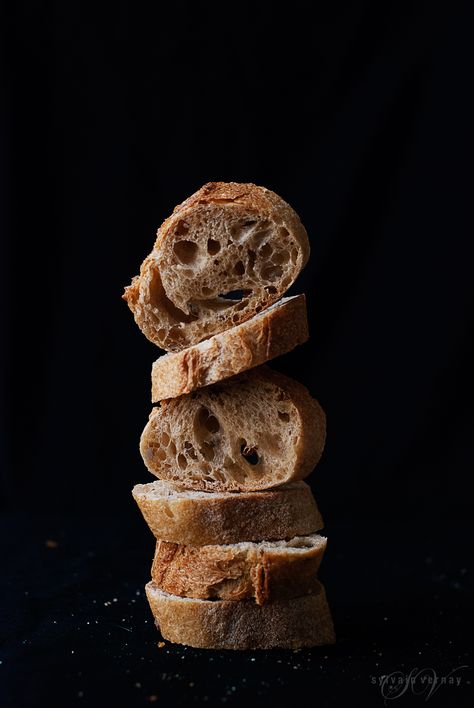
<point>222,624</point>
<point>270,334</point>
<point>202,518</point>
<point>260,571</point>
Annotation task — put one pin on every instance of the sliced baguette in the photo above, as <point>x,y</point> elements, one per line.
<point>269,334</point>
<point>225,254</point>
<point>256,431</point>
<point>200,518</point>
<point>262,571</point>
<point>222,624</point>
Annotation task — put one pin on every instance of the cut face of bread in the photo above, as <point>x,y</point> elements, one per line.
<point>223,624</point>
<point>225,254</point>
<point>200,518</point>
<point>262,571</point>
<point>269,334</point>
<point>256,431</point>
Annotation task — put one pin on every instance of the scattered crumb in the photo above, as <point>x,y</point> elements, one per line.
<point>152,698</point>
<point>49,543</point>
<point>138,685</point>
<point>160,645</point>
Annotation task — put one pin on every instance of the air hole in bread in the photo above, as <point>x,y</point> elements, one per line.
<point>207,451</point>
<point>235,294</point>
<point>242,229</point>
<point>259,236</point>
<point>271,272</point>
<point>161,454</point>
<point>284,233</point>
<point>250,453</point>
<point>241,305</point>
<point>160,301</point>
<point>206,421</point>
<point>280,257</point>
<point>206,291</point>
<point>189,450</point>
<point>271,290</point>
<point>213,246</point>
<point>186,251</point>
<point>172,448</point>
<point>283,416</point>
<point>182,461</point>
<point>239,268</point>
<point>181,228</point>
<point>265,251</point>
<point>251,261</point>
<point>294,255</point>
<point>215,304</point>
<point>165,439</point>
<point>175,335</point>
<point>161,334</point>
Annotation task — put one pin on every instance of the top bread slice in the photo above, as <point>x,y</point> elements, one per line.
<point>256,431</point>
<point>225,254</point>
<point>269,334</point>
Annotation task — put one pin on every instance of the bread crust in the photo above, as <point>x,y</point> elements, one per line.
<point>261,571</point>
<point>269,334</point>
<point>245,399</point>
<point>223,624</point>
<point>202,518</point>
<point>160,308</point>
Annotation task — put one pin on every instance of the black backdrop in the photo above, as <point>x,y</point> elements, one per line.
<point>359,115</point>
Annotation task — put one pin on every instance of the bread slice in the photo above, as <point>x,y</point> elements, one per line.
<point>269,334</point>
<point>223,624</point>
<point>225,254</point>
<point>201,518</point>
<point>256,431</point>
<point>262,571</point>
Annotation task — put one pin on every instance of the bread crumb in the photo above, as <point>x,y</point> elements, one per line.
<point>49,543</point>
<point>160,645</point>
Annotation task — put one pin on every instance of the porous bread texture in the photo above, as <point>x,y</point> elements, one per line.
<point>262,571</point>
<point>269,334</point>
<point>256,431</point>
<point>226,253</point>
<point>202,518</point>
<point>223,624</point>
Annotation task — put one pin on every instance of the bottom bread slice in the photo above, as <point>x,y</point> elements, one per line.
<point>226,624</point>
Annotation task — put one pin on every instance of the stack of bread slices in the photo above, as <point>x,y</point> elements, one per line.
<point>230,440</point>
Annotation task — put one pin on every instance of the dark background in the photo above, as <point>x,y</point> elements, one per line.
<point>359,115</point>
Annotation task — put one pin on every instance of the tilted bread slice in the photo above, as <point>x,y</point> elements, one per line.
<point>223,624</point>
<point>262,571</point>
<point>225,254</point>
<point>269,334</point>
<point>201,518</point>
<point>256,431</point>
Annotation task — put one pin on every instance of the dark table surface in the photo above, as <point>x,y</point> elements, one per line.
<point>76,628</point>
